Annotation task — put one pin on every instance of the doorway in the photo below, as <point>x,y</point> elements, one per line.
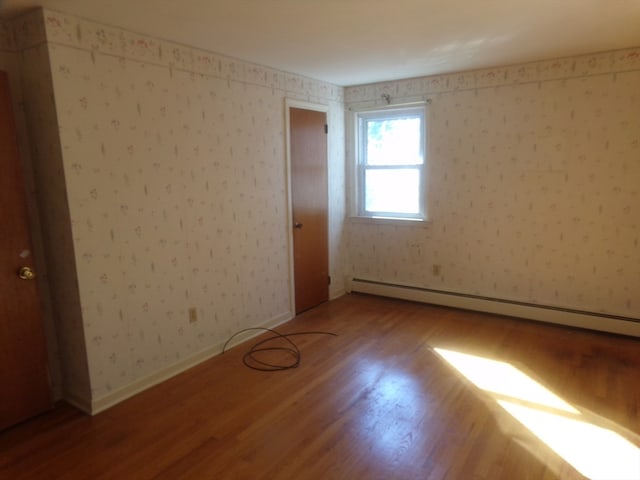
<point>24,373</point>
<point>309,205</point>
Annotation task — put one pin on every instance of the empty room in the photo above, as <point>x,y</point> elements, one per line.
<point>320,239</point>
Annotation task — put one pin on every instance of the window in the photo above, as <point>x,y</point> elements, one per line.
<point>390,163</point>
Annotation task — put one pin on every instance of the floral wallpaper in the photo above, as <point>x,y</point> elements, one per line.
<point>174,171</point>
<point>6,37</point>
<point>161,177</point>
<point>533,185</point>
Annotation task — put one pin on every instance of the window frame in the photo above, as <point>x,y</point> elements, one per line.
<point>360,119</point>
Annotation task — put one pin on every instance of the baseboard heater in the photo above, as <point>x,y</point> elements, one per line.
<point>563,316</point>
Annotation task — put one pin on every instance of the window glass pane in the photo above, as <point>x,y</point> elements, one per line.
<point>392,190</point>
<point>394,141</point>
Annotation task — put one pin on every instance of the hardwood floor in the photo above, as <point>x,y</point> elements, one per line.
<point>374,402</point>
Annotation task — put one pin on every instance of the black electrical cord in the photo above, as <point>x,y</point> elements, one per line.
<point>250,360</point>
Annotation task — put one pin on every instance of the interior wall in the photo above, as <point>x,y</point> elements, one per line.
<point>533,185</point>
<point>336,179</point>
<point>173,166</point>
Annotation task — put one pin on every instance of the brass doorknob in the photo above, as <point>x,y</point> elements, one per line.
<point>25,273</point>
<point>297,225</point>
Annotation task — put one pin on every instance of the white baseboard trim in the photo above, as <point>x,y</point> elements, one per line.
<point>103,403</point>
<point>78,401</point>
<point>562,316</point>
<point>337,294</point>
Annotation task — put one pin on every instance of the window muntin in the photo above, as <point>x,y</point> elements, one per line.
<point>391,163</point>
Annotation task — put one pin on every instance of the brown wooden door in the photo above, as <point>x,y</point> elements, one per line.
<point>24,376</point>
<point>308,143</point>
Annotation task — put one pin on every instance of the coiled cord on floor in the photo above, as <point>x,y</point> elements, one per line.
<point>250,360</point>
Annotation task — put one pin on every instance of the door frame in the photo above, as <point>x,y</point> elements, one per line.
<point>317,107</point>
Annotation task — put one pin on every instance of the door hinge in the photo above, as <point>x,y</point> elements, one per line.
<point>326,128</point>
<point>329,278</point>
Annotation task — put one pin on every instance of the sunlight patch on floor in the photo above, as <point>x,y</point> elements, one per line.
<point>503,379</point>
<point>594,451</point>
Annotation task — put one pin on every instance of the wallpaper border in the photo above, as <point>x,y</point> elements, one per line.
<point>615,61</point>
<point>47,26</point>
<point>43,25</point>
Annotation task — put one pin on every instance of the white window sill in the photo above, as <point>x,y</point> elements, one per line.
<point>404,222</point>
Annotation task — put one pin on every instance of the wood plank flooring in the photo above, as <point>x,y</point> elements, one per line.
<point>373,402</point>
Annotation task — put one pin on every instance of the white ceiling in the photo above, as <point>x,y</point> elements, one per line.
<point>349,42</point>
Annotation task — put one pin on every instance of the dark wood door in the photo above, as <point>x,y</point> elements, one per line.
<point>24,375</point>
<point>308,143</point>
